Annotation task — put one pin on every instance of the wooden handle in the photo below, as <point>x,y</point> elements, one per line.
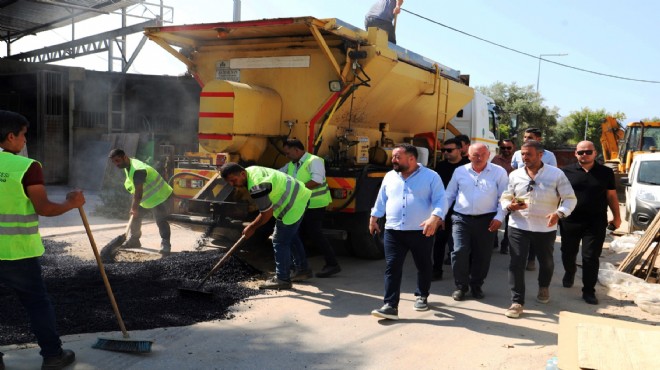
<point>223,260</point>
<point>103,275</point>
<point>128,227</point>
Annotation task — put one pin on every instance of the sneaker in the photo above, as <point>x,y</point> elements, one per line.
<point>386,312</point>
<point>275,283</point>
<point>328,271</point>
<point>165,247</point>
<point>302,275</point>
<point>569,278</point>
<point>65,358</point>
<point>421,304</point>
<point>590,298</point>
<point>514,311</point>
<point>544,295</point>
<point>132,243</point>
<point>531,266</point>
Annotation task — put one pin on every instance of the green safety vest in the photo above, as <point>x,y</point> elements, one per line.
<point>19,222</point>
<point>321,194</point>
<point>154,191</point>
<point>288,195</point>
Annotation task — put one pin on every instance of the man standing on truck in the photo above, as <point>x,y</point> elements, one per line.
<point>150,191</point>
<point>504,160</point>
<point>476,187</point>
<point>451,150</point>
<point>276,195</point>
<point>310,170</point>
<point>517,162</point>
<point>382,15</point>
<point>538,196</point>
<point>410,198</point>
<point>23,198</point>
<point>595,190</point>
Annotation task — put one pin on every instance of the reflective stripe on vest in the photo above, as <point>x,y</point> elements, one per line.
<point>155,190</point>
<point>321,194</point>
<point>19,222</point>
<point>288,196</point>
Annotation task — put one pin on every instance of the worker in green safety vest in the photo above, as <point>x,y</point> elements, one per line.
<point>310,170</point>
<point>150,191</point>
<point>23,198</point>
<point>276,195</point>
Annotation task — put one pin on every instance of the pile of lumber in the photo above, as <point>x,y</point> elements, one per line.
<point>641,261</point>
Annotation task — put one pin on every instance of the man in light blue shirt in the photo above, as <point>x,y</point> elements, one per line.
<point>533,134</point>
<point>476,187</point>
<point>411,199</point>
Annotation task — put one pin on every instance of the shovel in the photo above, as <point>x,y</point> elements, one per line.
<point>198,291</point>
<point>110,250</point>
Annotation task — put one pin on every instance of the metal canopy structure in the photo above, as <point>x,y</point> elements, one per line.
<point>20,18</point>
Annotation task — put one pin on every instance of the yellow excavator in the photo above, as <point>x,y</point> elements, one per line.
<point>620,147</point>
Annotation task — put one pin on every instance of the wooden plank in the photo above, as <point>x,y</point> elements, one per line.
<point>568,335</point>
<point>606,347</point>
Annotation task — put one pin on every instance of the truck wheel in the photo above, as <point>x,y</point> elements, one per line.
<point>360,242</point>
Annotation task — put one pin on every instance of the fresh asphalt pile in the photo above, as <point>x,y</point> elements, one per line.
<point>147,293</point>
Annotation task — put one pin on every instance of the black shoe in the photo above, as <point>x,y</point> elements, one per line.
<point>590,298</point>
<point>477,293</point>
<point>569,278</point>
<point>328,271</point>
<point>386,312</point>
<point>302,275</point>
<point>458,295</point>
<point>437,275</point>
<point>67,357</point>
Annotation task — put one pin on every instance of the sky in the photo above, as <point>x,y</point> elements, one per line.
<point>608,36</point>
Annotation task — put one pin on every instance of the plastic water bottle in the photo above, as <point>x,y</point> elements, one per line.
<point>551,364</point>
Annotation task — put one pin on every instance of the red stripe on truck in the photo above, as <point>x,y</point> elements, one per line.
<point>215,94</point>
<point>215,137</point>
<point>216,115</point>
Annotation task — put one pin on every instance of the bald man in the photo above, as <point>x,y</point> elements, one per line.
<point>595,190</point>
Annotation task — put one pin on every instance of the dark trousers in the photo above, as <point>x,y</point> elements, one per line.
<point>442,239</point>
<point>387,26</point>
<point>312,228</point>
<point>160,213</point>
<point>470,260</point>
<point>505,239</point>
<point>520,242</point>
<point>24,277</point>
<point>397,244</point>
<point>592,236</point>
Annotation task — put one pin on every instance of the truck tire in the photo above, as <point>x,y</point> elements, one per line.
<point>360,243</point>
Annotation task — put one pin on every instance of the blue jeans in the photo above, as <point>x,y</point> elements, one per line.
<point>285,243</point>
<point>397,245</point>
<point>473,247</point>
<point>24,277</point>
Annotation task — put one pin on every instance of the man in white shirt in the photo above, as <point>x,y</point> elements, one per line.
<point>476,187</point>
<point>538,196</point>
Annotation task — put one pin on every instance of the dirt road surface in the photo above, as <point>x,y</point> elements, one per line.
<point>326,323</point>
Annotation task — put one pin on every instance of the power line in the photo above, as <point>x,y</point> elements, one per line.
<point>528,54</point>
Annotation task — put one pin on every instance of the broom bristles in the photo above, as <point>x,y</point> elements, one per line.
<point>124,345</point>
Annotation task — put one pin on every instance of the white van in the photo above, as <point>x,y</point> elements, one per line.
<point>642,191</point>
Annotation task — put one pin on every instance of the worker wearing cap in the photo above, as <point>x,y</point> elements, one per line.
<point>23,198</point>
<point>310,170</point>
<point>276,195</point>
<point>150,191</point>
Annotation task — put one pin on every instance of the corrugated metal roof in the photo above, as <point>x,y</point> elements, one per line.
<point>23,17</point>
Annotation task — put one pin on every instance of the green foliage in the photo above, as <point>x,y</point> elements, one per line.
<point>652,119</point>
<point>576,122</point>
<point>528,106</point>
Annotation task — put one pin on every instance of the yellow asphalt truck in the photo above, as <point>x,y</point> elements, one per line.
<point>347,93</point>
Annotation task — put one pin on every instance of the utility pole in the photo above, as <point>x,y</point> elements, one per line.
<point>237,10</point>
<point>538,75</point>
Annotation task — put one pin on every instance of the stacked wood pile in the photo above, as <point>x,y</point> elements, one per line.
<point>643,260</point>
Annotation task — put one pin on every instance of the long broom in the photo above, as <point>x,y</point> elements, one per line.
<point>125,344</point>
<point>109,252</point>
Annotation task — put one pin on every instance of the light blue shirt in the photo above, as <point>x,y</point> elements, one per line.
<point>407,203</point>
<point>548,158</point>
<point>477,193</point>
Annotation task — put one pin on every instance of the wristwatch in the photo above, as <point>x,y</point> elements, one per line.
<point>561,214</point>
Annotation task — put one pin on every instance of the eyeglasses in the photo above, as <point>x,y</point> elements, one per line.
<point>583,152</point>
<point>448,150</point>
<point>530,185</point>
<point>506,147</point>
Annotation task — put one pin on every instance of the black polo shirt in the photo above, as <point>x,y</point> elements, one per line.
<point>591,191</point>
<point>446,169</point>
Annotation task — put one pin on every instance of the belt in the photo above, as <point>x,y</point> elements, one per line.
<point>491,214</point>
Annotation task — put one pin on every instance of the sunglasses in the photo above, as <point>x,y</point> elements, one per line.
<point>530,186</point>
<point>448,150</point>
<point>583,152</point>
<point>506,147</point>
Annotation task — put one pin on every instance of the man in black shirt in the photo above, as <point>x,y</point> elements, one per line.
<point>453,159</point>
<point>595,190</point>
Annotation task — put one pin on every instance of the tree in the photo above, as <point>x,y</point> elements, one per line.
<point>576,122</point>
<point>527,105</point>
